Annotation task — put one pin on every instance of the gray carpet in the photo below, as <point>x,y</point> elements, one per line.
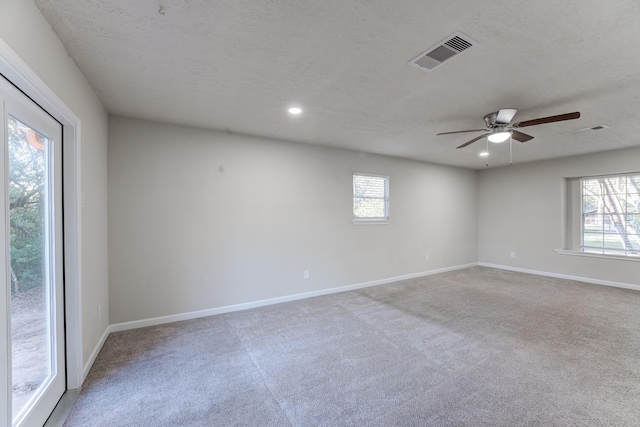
<point>467,348</point>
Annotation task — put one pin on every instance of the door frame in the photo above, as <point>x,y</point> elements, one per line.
<point>21,75</point>
<point>24,112</point>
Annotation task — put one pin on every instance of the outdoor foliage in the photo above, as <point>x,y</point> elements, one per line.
<point>611,214</point>
<point>26,205</point>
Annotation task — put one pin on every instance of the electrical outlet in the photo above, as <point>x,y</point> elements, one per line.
<point>99,311</point>
<point>426,258</point>
<point>306,275</point>
<point>513,254</point>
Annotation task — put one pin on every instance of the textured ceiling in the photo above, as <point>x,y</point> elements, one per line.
<point>238,65</point>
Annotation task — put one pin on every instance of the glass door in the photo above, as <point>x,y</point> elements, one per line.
<point>33,258</point>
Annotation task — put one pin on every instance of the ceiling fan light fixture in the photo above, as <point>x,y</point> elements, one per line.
<point>499,136</point>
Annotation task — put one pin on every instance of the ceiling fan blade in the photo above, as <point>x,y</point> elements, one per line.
<point>519,136</point>
<point>461,131</point>
<point>471,142</point>
<point>550,119</point>
<point>505,116</point>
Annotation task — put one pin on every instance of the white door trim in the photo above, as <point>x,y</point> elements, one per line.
<point>18,107</point>
<point>21,75</point>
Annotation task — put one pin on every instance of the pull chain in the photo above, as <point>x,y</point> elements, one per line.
<point>487,163</point>
<point>510,150</point>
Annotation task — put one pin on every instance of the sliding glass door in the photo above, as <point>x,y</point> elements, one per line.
<point>32,306</point>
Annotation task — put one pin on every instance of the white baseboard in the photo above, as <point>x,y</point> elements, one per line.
<point>254,304</point>
<point>261,303</point>
<point>95,352</point>
<point>117,327</point>
<point>563,276</point>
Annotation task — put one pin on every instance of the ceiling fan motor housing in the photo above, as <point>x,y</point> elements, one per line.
<point>490,119</point>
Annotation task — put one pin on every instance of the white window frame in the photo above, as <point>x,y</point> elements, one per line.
<point>604,252</point>
<point>374,220</point>
<point>21,75</point>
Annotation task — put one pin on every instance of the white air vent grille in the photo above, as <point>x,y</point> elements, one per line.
<point>458,44</point>
<point>592,128</point>
<point>427,62</point>
<point>443,51</point>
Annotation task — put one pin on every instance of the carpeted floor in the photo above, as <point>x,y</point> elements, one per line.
<point>471,347</point>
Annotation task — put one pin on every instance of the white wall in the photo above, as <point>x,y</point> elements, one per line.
<point>521,209</point>
<point>201,219</point>
<point>24,29</point>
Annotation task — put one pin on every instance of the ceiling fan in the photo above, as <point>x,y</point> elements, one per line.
<point>500,128</point>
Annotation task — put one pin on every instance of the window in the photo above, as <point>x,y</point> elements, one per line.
<point>370,198</point>
<point>610,211</point>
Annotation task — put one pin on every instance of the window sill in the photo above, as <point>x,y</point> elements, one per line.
<point>371,221</point>
<point>593,255</point>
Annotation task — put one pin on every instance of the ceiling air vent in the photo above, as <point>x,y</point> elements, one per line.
<point>597,127</point>
<point>443,51</point>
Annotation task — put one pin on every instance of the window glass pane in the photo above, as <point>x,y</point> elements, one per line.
<point>370,197</point>
<point>634,240</point>
<point>615,185</point>
<point>592,222</point>
<point>592,204</point>
<point>30,328</point>
<point>591,187</point>
<point>633,223</point>
<point>611,215</point>
<point>633,184</point>
<point>368,186</point>
<point>368,208</point>
<point>593,240</point>
<point>610,223</point>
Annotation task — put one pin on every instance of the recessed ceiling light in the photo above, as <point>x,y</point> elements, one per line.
<point>295,111</point>
<point>484,154</point>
